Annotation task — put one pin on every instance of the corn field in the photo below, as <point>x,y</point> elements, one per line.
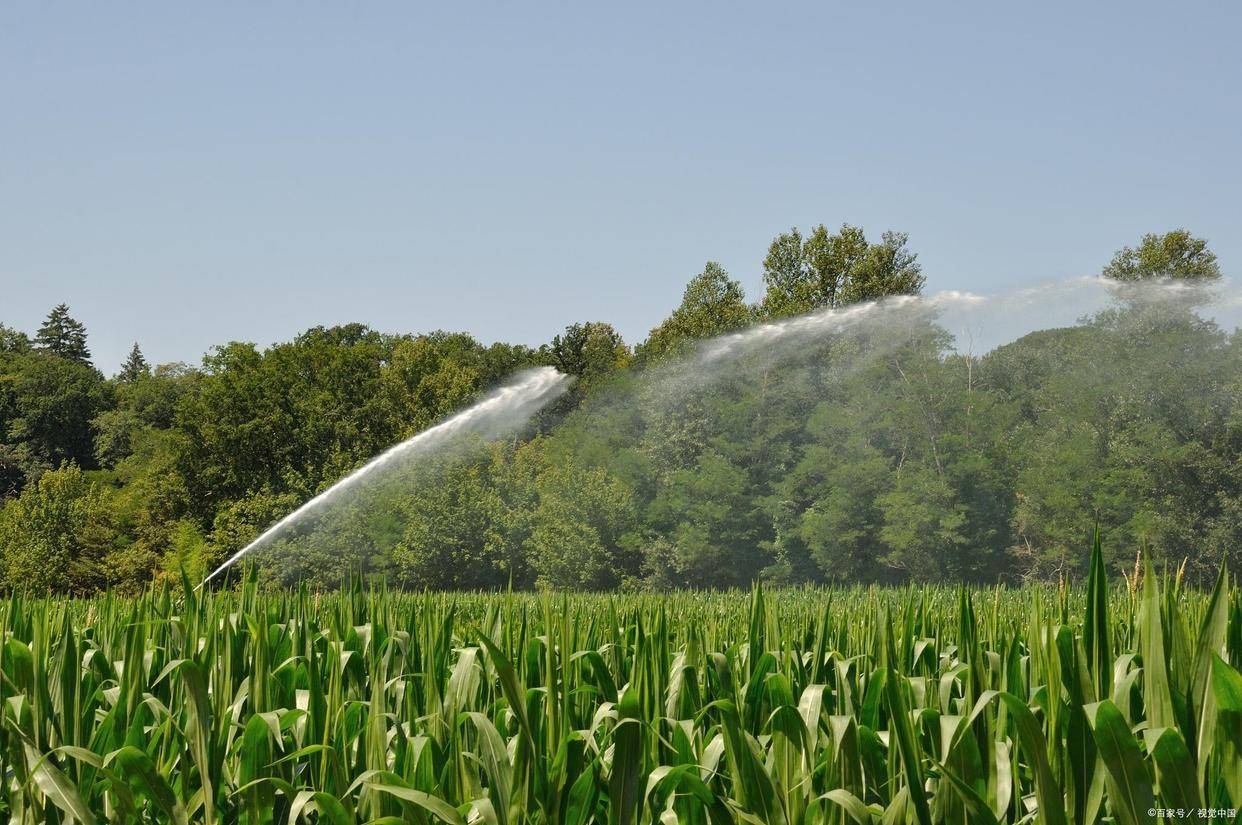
<point>1110,703</point>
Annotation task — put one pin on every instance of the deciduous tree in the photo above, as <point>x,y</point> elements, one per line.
<point>1177,255</point>
<point>56,534</point>
<point>713,304</point>
<point>824,270</point>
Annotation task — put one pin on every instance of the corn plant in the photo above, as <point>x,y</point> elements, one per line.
<point>920,705</point>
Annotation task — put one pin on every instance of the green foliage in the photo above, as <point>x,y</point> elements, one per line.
<point>144,404</point>
<point>705,511</point>
<point>47,404</point>
<point>877,454</point>
<point>1176,254</point>
<point>824,270</point>
<point>63,336</point>
<point>712,304</point>
<point>1125,420</point>
<point>577,529</point>
<point>592,353</point>
<point>13,341</point>
<point>242,521</point>
<point>589,351</point>
<point>188,551</point>
<point>903,473</point>
<point>135,366</point>
<point>300,415</point>
<point>114,435</point>
<point>56,535</point>
<point>797,707</point>
<point>455,534</point>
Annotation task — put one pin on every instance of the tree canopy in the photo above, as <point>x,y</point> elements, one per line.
<point>712,304</point>
<point>824,270</point>
<point>1176,255</point>
<point>883,455</point>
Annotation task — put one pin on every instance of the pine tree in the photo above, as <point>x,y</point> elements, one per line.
<point>62,335</point>
<point>135,366</point>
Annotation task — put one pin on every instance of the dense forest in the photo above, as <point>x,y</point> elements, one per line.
<point>861,458</point>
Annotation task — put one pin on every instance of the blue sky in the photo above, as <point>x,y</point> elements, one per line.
<point>188,175</point>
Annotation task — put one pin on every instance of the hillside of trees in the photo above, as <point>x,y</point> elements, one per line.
<point>920,464</point>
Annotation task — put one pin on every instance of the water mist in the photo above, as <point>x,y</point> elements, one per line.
<point>503,411</point>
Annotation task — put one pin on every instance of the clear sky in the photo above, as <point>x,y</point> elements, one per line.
<point>188,174</point>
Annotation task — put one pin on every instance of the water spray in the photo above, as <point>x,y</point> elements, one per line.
<point>503,410</point>
<point>1012,313</point>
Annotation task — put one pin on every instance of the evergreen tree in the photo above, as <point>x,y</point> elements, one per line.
<point>62,335</point>
<point>135,366</point>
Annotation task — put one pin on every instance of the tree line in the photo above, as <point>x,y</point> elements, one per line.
<point>924,464</point>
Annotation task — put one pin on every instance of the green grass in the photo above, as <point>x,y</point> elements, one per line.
<point>846,705</point>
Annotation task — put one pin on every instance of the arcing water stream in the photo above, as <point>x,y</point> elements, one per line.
<point>788,351</point>
<point>502,411</point>
<point>997,318</point>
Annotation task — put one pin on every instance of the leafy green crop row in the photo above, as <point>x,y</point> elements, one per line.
<point>798,706</point>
